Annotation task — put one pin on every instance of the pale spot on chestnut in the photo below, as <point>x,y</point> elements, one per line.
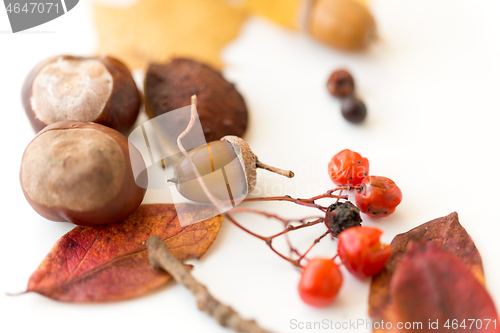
<point>96,89</point>
<point>69,89</point>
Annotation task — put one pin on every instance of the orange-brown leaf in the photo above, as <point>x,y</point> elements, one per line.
<point>433,285</point>
<point>447,233</point>
<point>110,262</point>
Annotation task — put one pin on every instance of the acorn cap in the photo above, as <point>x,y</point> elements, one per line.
<point>247,159</point>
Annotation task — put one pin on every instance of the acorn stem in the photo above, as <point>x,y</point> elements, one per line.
<point>286,173</point>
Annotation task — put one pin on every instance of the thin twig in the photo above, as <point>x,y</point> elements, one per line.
<point>269,239</point>
<point>161,257</point>
<point>285,221</point>
<point>304,202</point>
<point>316,241</point>
<point>286,198</point>
<point>292,227</point>
<point>293,250</point>
<point>243,228</point>
<point>329,194</point>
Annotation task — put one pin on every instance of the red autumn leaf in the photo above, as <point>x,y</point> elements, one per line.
<point>447,233</point>
<point>110,262</point>
<point>434,287</point>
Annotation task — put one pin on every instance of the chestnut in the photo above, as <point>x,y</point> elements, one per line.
<point>81,172</point>
<point>96,89</point>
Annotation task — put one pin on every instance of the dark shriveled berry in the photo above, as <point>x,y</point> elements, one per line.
<point>346,216</point>
<point>340,84</point>
<point>353,109</point>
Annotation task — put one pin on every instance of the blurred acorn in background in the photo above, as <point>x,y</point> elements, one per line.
<point>159,30</point>
<point>342,24</point>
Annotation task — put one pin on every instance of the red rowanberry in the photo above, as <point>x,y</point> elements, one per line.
<point>361,252</point>
<point>348,168</point>
<point>320,282</point>
<point>378,196</point>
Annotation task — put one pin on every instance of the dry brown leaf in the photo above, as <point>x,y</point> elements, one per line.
<point>448,234</point>
<point>158,30</point>
<point>110,262</point>
<point>434,288</point>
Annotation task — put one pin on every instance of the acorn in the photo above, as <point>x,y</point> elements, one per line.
<point>228,167</point>
<point>89,89</point>
<point>343,24</point>
<point>82,173</point>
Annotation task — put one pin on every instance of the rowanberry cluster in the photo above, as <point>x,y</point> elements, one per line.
<point>359,248</point>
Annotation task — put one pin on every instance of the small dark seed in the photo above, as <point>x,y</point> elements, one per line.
<point>341,83</point>
<point>353,109</point>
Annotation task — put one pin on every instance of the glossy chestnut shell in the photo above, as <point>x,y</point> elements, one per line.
<point>90,89</point>
<point>81,173</point>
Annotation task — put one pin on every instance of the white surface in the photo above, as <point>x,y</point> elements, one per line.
<point>431,86</point>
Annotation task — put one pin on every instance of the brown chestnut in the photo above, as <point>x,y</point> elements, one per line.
<point>97,89</point>
<point>81,172</point>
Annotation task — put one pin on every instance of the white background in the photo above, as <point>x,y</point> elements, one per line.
<point>431,84</point>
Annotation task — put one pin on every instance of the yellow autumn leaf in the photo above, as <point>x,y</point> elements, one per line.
<point>157,30</point>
